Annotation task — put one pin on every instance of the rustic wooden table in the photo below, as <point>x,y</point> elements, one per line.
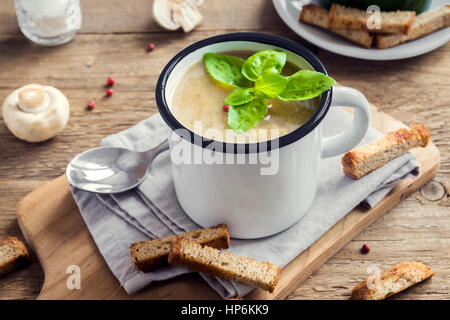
<point>113,42</point>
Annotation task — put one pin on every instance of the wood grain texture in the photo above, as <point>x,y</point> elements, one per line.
<point>117,16</point>
<point>53,226</point>
<point>113,42</point>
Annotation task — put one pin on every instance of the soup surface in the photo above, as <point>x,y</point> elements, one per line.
<point>197,102</point>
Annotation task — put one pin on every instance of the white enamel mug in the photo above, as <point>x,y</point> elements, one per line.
<point>259,189</point>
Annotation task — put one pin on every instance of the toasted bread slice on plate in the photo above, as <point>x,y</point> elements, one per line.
<point>424,24</point>
<point>318,16</point>
<point>342,17</point>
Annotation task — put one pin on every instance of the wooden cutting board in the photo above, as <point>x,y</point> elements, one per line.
<point>54,228</point>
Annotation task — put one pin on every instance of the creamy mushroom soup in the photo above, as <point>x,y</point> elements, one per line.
<point>197,103</point>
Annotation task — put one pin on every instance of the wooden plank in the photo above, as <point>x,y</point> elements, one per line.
<point>54,227</point>
<point>117,16</point>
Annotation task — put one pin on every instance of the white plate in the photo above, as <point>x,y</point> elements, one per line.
<point>289,12</point>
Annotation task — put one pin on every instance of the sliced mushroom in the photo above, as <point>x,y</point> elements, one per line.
<point>173,14</point>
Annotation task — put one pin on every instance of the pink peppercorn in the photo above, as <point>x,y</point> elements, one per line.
<point>151,46</point>
<point>91,105</point>
<point>109,92</point>
<point>111,81</point>
<point>226,108</point>
<point>365,248</point>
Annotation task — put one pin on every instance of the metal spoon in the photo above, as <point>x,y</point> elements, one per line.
<point>111,170</point>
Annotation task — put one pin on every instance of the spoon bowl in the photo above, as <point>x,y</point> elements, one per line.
<point>111,169</point>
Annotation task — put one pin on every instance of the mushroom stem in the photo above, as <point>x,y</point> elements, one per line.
<point>32,100</point>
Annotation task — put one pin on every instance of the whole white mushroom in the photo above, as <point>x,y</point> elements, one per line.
<point>36,113</point>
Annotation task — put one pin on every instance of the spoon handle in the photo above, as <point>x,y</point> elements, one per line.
<point>152,153</point>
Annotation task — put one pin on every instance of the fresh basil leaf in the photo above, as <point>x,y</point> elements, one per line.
<point>270,85</point>
<point>263,62</point>
<point>226,69</point>
<point>246,116</point>
<point>306,84</point>
<point>240,96</point>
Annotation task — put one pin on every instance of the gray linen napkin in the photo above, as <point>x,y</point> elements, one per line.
<point>152,210</point>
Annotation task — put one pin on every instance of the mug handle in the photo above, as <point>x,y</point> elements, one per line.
<point>342,142</point>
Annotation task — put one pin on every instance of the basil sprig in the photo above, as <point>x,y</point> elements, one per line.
<point>259,78</point>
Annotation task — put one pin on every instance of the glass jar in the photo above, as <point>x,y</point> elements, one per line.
<point>48,22</point>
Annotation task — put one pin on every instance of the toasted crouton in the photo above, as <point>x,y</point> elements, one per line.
<point>13,255</point>
<point>342,17</point>
<point>150,254</point>
<point>363,160</point>
<point>318,16</point>
<point>224,264</point>
<point>391,281</point>
<point>425,23</point>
